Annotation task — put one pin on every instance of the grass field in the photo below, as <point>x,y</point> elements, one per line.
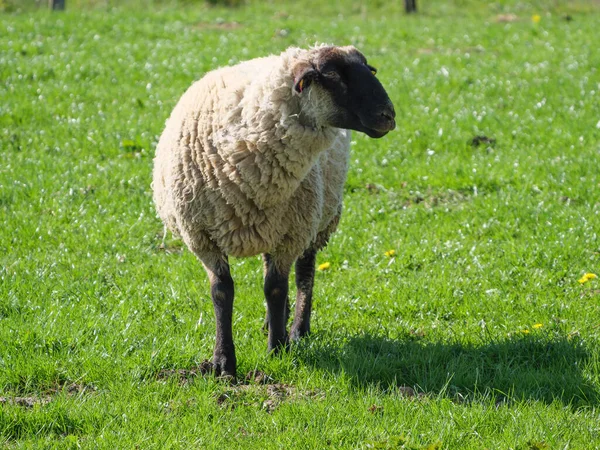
<point>477,333</point>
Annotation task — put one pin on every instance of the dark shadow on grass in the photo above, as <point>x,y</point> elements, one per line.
<point>526,367</point>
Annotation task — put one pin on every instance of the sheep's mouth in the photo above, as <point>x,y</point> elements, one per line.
<point>374,125</point>
<point>376,134</point>
<point>380,124</point>
<point>379,130</point>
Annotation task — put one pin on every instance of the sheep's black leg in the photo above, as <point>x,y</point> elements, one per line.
<point>305,277</point>
<point>266,321</point>
<point>287,316</point>
<point>266,259</point>
<point>276,294</point>
<point>222,291</point>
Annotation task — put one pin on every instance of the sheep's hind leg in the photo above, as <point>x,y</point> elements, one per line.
<point>276,294</point>
<point>305,277</point>
<point>222,291</point>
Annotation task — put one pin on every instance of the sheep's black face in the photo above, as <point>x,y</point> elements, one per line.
<point>359,101</point>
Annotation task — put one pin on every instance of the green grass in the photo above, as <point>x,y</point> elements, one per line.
<point>101,330</point>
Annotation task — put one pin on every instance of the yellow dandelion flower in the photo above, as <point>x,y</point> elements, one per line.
<point>525,331</point>
<point>587,277</point>
<point>536,18</point>
<point>390,253</point>
<point>324,266</point>
<point>537,326</point>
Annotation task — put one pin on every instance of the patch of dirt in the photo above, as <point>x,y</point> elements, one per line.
<point>479,140</point>
<point>260,390</point>
<point>26,402</point>
<point>255,388</point>
<point>186,376</point>
<point>72,388</point>
<point>46,395</point>
<point>506,18</point>
<point>431,200</point>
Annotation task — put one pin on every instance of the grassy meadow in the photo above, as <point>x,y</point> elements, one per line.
<point>455,312</point>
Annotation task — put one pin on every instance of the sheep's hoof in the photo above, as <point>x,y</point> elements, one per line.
<point>223,367</point>
<point>227,378</point>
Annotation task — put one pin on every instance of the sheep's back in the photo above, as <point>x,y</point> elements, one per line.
<point>182,166</point>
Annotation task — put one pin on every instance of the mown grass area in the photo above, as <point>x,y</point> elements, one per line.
<point>474,333</point>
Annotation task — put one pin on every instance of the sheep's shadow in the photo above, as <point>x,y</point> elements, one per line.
<point>541,368</point>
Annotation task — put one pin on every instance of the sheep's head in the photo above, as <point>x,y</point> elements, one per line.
<point>338,88</point>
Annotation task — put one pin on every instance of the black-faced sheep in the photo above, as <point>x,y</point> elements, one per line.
<point>253,161</point>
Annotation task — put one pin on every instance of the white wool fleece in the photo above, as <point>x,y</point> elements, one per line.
<point>244,165</point>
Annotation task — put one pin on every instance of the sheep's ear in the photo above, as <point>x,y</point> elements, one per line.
<point>303,74</point>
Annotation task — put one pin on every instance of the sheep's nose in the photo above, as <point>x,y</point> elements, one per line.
<point>388,115</point>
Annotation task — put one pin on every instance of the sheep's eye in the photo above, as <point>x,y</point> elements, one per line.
<point>332,75</point>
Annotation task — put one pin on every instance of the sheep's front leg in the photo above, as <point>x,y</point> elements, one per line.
<point>305,277</point>
<point>276,294</point>
<point>221,290</point>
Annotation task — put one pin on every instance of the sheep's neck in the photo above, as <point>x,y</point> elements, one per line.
<point>279,151</point>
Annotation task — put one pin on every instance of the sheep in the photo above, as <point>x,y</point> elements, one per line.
<point>253,160</point>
